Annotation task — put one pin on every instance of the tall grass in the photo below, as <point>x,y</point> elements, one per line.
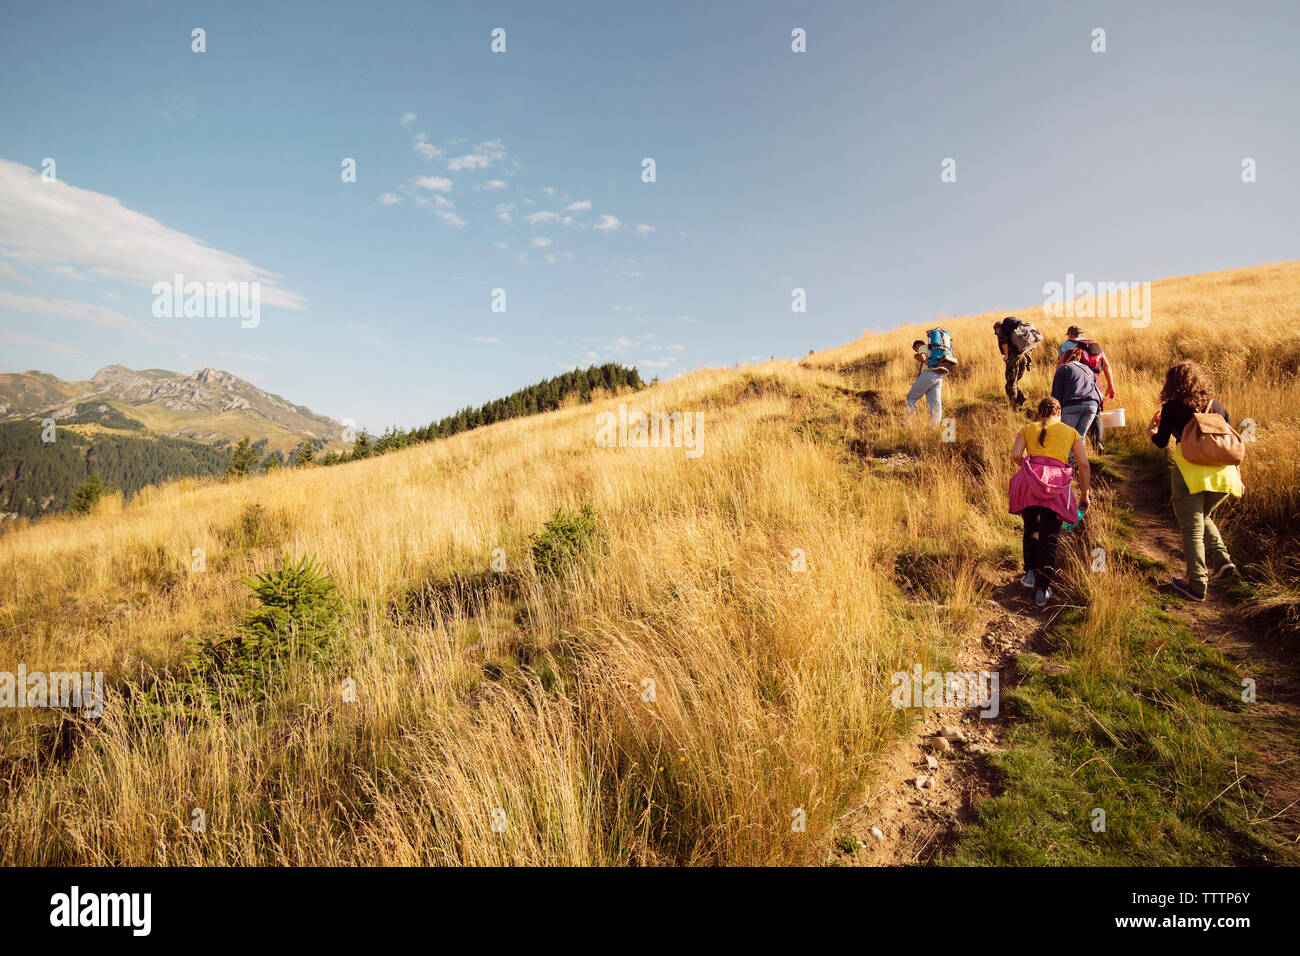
<point>680,694</point>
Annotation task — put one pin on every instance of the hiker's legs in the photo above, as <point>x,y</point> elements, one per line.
<point>1029,538</point>
<point>1080,418</point>
<point>934,399</point>
<point>1015,367</point>
<point>1216,552</point>
<point>916,391</point>
<point>1049,527</point>
<point>1189,509</point>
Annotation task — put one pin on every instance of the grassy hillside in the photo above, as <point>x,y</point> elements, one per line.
<point>675,693</point>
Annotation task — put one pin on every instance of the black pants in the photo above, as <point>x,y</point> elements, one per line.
<point>1042,525</point>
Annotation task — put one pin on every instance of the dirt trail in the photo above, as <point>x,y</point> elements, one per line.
<point>1272,769</point>
<point>917,824</point>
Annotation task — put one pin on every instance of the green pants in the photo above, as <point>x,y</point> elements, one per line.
<point>1200,533</point>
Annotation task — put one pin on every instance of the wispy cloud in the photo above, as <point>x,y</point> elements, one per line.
<point>389,199</point>
<point>54,224</point>
<point>434,183</point>
<point>644,229</point>
<point>408,119</point>
<point>31,341</point>
<point>86,312</point>
<point>582,205</point>
<point>608,223</point>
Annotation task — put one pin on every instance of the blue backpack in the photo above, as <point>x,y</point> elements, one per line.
<point>939,357</point>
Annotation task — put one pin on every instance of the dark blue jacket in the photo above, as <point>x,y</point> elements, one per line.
<point>1075,384</point>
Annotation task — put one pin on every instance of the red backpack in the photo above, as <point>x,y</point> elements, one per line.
<point>1092,353</point>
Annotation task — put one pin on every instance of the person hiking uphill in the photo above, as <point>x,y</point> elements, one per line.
<point>934,362</point>
<point>1095,358</point>
<point>1042,492</point>
<point>1202,433</point>
<point>1015,340</point>
<point>1075,386</point>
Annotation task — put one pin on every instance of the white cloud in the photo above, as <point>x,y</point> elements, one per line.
<point>550,259</point>
<point>389,199</point>
<point>504,210</point>
<point>66,272</point>
<point>450,218</point>
<point>408,119</point>
<point>487,339</point>
<point>426,150</point>
<point>483,156</point>
<point>31,341</point>
<point>644,229</point>
<point>608,222</point>
<point>55,224</point>
<point>582,205</point>
<point>9,272</point>
<point>471,161</point>
<point>435,183</point>
<point>85,312</point>
<point>492,184</point>
<point>504,247</point>
<point>541,242</point>
<point>631,275</point>
<point>549,190</point>
<point>537,218</point>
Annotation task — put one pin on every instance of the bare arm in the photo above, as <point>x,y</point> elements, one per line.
<point>1085,470</point>
<point>1018,449</point>
<point>1105,370</point>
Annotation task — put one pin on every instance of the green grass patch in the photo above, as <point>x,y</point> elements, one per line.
<point>1149,740</point>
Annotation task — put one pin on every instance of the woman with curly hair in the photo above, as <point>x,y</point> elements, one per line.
<point>1195,490</point>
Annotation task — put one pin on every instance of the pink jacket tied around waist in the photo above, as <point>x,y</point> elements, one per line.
<point>1047,482</point>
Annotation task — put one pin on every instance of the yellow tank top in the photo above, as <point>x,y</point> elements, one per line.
<point>1060,439</point>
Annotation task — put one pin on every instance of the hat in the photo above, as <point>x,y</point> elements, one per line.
<point>1074,330</point>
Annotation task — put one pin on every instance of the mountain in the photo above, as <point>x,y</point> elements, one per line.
<point>209,406</point>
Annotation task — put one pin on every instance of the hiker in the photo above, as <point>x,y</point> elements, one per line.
<point>1095,358</point>
<point>1075,387</point>
<point>1042,492</point>
<point>935,359</point>
<point>1190,415</point>
<point>1016,339</point>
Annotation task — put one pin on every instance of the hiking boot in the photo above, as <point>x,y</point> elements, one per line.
<point>1042,596</point>
<point>1225,570</point>
<point>1187,590</point>
<point>1028,579</point>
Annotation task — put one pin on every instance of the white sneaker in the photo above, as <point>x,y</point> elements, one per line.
<point>1028,579</point>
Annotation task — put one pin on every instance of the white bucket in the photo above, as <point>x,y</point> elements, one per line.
<point>1113,418</point>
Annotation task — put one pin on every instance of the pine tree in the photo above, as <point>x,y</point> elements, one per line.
<point>306,454</point>
<point>242,460</point>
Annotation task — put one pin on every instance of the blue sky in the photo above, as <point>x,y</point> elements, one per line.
<point>775,170</point>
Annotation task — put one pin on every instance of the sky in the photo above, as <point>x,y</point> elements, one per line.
<point>522,171</point>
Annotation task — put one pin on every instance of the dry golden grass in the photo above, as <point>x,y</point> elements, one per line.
<point>771,686</point>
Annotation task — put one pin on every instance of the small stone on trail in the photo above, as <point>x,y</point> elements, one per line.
<point>878,834</point>
<point>932,761</point>
<point>925,783</point>
<point>940,743</point>
<point>950,733</point>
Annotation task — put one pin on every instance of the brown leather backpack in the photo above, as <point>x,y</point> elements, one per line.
<point>1208,439</point>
